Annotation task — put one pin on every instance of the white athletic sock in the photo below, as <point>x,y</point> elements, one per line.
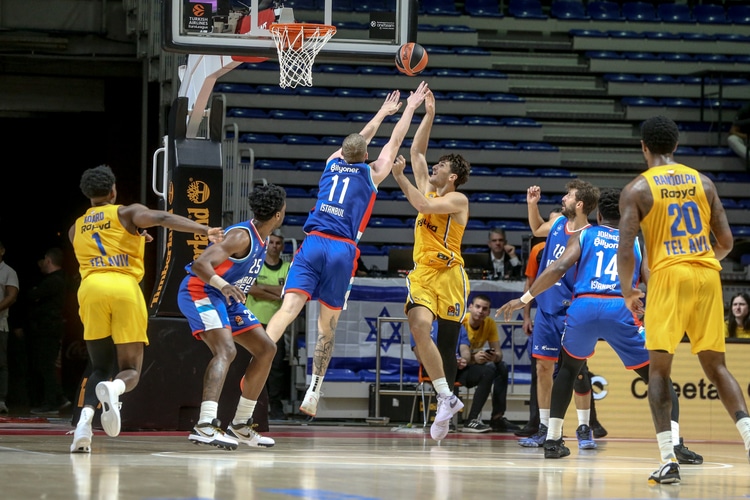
<point>441,387</point>
<point>675,433</point>
<point>209,409</point>
<point>583,417</point>
<point>554,431</point>
<point>544,416</point>
<point>666,448</point>
<point>245,409</point>
<point>317,382</point>
<point>743,425</point>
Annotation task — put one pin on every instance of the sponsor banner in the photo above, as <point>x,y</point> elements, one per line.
<point>622,397</point>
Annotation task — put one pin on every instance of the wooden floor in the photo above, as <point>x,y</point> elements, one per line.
<point>352,462</point>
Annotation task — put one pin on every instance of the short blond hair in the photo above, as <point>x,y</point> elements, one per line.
<point>354,148</point>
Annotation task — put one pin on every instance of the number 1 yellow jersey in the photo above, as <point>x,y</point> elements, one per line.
<point>677,229</point>
<point>102,244</point>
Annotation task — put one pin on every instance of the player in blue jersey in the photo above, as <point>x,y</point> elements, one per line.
<point>326,262</point>
<point>597,311</point>
<point>549,322</point>
<point>212,298</point>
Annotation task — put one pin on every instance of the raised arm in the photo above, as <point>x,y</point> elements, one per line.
<point>538,226</point>
<point>418,150</point>
<point>382,166</point>
<point>390,106</point>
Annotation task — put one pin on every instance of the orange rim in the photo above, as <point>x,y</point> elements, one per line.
<point>308,29</point>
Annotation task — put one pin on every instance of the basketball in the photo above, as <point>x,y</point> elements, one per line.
<point>411,59</point>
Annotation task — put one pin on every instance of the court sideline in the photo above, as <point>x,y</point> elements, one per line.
<point>357,462</point>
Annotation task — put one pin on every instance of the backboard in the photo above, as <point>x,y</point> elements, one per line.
<point>366,29</point>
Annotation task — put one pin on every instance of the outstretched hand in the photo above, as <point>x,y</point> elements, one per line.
<point>533,194</point>
<point>508,308</point>
<point>392,103</point>
<point>399,164</point>
<point>416,97</point>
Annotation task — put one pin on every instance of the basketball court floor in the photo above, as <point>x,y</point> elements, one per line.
<point>353,462</point>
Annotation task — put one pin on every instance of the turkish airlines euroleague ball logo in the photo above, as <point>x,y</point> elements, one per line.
<point>198,192</point>
<point>199,10</point>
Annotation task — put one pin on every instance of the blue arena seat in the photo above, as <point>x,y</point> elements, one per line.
<point>715,151</point>
<point>686,151</point>
<point>553,172</point>
<point>679,102</point>
<point>504,145</point>
<point>514,172</point>
<point>697,36</point>
<point>314,91</point>
<point>300,139</point>
<point>246,113</point>
<point>622,77</point>
<point>714,58</point>
<point>641,56</point>
<point>481,170</point>
<point>710,14</point>
<point>568,10</point>
<point>603,54</point>
<point>640,101</point>
<point>675,13</point>
<point>589,33</point>
<point>537,146</point>
<point>738,14</point>
<point>495,97</point>
<point>483,8</point>
<point>333,116</point>
<point>604,10</point>
<point>486,73</point>
<point>667,79</point>
<point>377,70</point>
<point>457,144</point>
<point>234,88</point>
<point>315,166</point>
<point>448,120</point>
<point>267,138</point>
<point>439,7</point>
<point>287,114</point>
<point>639,12</point>
<point>624,34</point>
<point>476,224</point>
<point>519,122</point>
<point>661,35</point>
<point>265,164</point>
<point>676,57</point>
<point>480,120</point>
<point>526,9</point>
<point>352,93</point>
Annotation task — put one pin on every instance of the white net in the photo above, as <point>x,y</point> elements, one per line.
<point>297,45</point>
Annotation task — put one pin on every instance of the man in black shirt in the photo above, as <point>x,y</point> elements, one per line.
<point>46,330</point>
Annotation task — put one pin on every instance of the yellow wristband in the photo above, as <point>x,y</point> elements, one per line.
<point>218,282</point>
<point>526,298</point>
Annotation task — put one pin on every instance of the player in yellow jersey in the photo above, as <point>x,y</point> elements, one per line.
<point>678,209</point>
<point>109,246</point>
<point>438,286</point>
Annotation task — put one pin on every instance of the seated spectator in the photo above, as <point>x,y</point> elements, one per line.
<point>737,324</point>
<point>486,352</point>
<point>503,263</point>
<point>737,139</point>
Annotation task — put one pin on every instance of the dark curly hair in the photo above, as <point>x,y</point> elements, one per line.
<point>97,182</point>
<point>459,166</point>
<point>266,200</point>
<point>660,135</point>
<point>609,204</point>
<point>586,193</point>
<point>732,321</point>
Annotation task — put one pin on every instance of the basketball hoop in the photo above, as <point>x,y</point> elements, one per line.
<point>297,45</point>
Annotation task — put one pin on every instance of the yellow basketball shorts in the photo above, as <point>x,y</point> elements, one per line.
<point>112,305</point>
<point>444,291</point>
